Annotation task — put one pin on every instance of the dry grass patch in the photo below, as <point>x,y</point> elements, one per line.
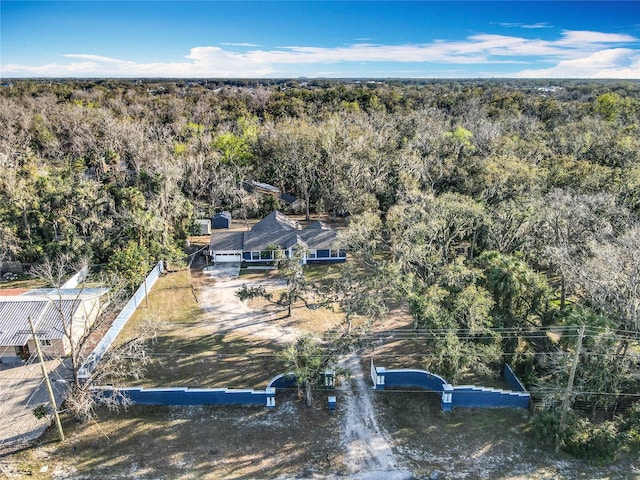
<point>217,360</point>
<point>477,444</point>
<point>170,302</point>
<point>208,442</point>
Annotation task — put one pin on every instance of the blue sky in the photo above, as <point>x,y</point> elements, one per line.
<point>447,39</point>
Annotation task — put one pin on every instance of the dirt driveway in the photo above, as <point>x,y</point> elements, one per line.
<point>367,451</point>
<point>22,388</point>
<point>216,290</point>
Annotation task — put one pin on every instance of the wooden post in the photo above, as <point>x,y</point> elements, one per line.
<point>52,397</point>
<point>567,395</point>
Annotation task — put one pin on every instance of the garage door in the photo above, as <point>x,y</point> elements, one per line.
<point>227,257</point>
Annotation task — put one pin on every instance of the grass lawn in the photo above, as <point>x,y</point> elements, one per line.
<point>186,352</point>
<point>291,441</point>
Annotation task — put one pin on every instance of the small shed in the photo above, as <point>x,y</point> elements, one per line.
<point>204,225</point>
<point>293,203</point>
<point>221,220</point>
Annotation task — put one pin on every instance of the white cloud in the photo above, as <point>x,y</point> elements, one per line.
<point>611,63</point>
<point>529,26</point>
<point>575,54</point>
<point>575,38</point>
<point>95,58</point>
<point>231,44</point>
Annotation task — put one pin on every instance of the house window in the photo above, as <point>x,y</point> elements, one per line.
<point>312,254</point>
<point>255,255</point>
<point>266,255</point>
<point>343,253</point>
<point>44,342</point>
<point>333,253</point>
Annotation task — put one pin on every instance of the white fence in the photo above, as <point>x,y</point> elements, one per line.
<point>119,323</point>
<point>78,278</point>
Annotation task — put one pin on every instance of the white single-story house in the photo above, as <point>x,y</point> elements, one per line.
<point>52,312</point>
<point>277,232</point>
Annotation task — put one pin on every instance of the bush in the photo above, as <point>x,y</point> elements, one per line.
<point>631,424</point>
<point>40,411</point>
<point>597,444</point>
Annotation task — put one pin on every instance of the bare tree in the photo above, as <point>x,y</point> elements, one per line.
<point>78,323</point>
<point>610,279</point>
<point>121,364</point>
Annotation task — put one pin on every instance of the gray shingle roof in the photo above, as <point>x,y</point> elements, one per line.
<point>275,221</point>
<point>221,241</point>
<point>318,226</point>
<point>275,229</point>
<point>319,239</point>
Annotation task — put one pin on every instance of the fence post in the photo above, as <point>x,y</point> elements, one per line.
<point>447,398</point>
<point>271,397</point>
<point>377,376</point>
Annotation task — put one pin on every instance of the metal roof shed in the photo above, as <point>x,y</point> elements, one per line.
<point>221,220</point>
<point>204,225</point>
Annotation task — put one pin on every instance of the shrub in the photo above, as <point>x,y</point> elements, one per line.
<point>40,411</point>
<point>597,444</point>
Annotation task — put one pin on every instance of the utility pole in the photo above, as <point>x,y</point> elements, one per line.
<point>567,395</point>
<point>52,397</point>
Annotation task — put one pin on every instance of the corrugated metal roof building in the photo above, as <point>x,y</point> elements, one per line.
<point>55,317</point>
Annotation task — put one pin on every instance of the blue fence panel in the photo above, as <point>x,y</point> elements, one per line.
<point>119,323</point>
<point>469,396</point>
<point>413,378</point>
<point>513,381</point>
<point>196,396</point>
<point>460,396</point>
<point>284,380</point>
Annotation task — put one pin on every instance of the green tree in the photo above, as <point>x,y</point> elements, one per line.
<point>308,359</point>
<point>521,295</point>
<point>130,263</point>
<point>358,293</point>
<point>608,105</point>
<point>457,313</point>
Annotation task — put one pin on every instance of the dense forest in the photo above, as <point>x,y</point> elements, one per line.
<point>496,209</point>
